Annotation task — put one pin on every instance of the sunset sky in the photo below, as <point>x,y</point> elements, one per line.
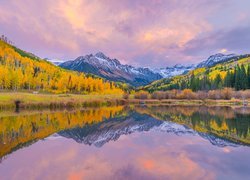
<point>155,33</point>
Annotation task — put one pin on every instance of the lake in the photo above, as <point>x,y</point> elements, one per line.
<point>137,142</point>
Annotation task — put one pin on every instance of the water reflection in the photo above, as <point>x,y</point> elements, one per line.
<point>111,129</point>
<point>20,130</point>
<point>225,122</point>
<point>156,142</point>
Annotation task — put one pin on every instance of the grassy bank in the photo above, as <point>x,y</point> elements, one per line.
<point>33,101</point>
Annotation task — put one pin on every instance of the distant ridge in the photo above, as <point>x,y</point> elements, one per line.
<point>112,69</point>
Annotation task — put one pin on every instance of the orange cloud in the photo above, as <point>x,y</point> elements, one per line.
<point>148,164</point>
<point>76,176</point>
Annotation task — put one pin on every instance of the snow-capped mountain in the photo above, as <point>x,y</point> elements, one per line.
<point>112,129</point>
<point>215,59</point>
<point>111,69</point>
<point>176,70</point>
<point>181,69</point>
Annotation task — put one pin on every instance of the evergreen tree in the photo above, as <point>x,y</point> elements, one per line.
<point>227,80</point>
<point>248,77</point>
<point>232,79</point>
<point>183,85</point>
<point>244,80</point>
<point>218,82</point>
<point>204,83</point>
<point>237,74</point>
<point>193,83</point>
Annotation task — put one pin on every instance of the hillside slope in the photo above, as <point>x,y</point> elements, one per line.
<point>21,70</point>
<point>233,72</point>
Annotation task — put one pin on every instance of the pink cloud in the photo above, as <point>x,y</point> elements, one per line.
<point>125,29</point>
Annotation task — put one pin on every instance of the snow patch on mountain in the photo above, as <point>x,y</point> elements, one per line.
<point>179,69</point>
<point>174,71</point>
<point>215,59</point>
<point>182,69</point>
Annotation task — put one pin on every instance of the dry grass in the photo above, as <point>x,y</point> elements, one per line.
<point>29,100</point>
<point>53,101</point>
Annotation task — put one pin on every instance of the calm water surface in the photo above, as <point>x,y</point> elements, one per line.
<point>158,142</point>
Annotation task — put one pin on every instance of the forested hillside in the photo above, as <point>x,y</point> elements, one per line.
<point>233,74</point>
<point>20,70</point>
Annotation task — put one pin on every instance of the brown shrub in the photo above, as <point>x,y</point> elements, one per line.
<point>202,95</point>
<point>172,94</point>
<point>242,94</point>
<point>142,95</point>
<point>187,94</point>
<point>159,95</point>
<point>214,94</point>
<point>226,93</point>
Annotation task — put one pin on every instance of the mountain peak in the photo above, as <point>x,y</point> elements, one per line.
<point>101,55</point>
<point>178,65</point>
<point>222,55</point>
<point>218,54</point>
<point>215,59</point>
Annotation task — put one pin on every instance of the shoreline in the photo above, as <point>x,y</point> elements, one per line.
<point>29,101</point>
<point>232,102</point>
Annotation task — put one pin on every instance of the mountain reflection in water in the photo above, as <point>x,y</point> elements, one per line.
<point>101,133</point>
<point>202,131</point>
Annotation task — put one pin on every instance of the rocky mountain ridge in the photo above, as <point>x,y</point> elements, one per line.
<point>112,69</point>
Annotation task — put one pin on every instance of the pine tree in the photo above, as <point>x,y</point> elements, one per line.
<point>248,77</point>
<point>193,82</point>
<point>227,80</point>
<point>237,74</point>
<point>244,80</point>
<point>218,82</point>
<point>232,79</point>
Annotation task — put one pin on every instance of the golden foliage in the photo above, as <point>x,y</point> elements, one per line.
<point>18,72</point>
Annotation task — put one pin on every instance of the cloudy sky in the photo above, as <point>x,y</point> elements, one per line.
<point>152,33</point>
